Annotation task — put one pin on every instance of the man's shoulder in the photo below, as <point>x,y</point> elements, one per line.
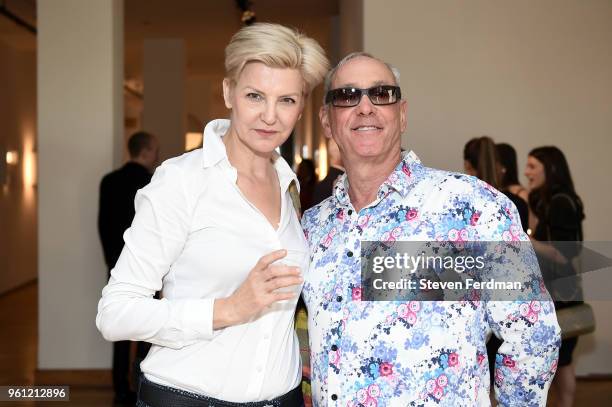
<point>320,211</point>
<point>455,183</point>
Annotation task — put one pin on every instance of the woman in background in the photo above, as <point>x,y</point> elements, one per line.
<point>509,171</point>
<point>207,230</point>
<point>559,212</point>
<point>481,160</point>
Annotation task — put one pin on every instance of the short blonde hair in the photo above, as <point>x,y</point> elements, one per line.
<point>276,46</point>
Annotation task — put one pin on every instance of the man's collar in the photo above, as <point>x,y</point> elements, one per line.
<point>400,180</point>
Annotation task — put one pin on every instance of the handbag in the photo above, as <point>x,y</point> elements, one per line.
<point>576,320</point>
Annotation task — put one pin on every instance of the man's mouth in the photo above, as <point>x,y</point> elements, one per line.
<point>366,128</point>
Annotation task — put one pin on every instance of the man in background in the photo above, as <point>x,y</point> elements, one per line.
<point>324,188</point>
<point>116,211</point>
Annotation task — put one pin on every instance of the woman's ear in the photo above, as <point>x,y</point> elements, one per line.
<point>227,92</point>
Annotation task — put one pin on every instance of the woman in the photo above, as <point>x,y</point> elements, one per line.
<point>207,230</point>
<point>509,171</point>
<point>559,212</point>
<point>481,160</point>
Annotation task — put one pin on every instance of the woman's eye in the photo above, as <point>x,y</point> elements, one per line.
<point>288,100</point>
<point>254,96</point>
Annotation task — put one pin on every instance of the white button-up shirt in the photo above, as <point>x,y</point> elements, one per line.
<point>196,237</point>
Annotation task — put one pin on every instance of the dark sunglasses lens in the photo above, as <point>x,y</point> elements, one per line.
<point>345,97</point>
<point>383,95</point>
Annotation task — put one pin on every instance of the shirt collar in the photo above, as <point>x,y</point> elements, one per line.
<point>213,153</point>
<point>400,180</point>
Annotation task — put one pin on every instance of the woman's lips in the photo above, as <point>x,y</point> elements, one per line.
<point>268,133</point>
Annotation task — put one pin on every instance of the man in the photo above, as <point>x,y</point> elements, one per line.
<point>323,189</point>
<point>116,211</point>
<point>428,353</point>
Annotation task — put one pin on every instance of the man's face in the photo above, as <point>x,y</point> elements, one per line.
<point>365,131</point>
<point>151,154</point>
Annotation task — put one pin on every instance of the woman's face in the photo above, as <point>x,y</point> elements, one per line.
<point>266,103</point>
<point>535,172</point>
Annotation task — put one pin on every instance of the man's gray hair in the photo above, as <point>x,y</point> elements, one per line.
<point>330,75</point>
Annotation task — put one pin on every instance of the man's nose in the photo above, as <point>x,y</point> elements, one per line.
<point>365,105</point>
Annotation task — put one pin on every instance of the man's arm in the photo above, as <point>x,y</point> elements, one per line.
<point>527,360</point>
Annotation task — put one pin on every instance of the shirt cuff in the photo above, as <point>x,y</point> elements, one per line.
<point>196,316</point>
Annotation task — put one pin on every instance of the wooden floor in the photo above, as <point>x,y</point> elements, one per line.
<point>18,347</point>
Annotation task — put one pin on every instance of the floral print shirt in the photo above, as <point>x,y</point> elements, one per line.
<point>429,353</point>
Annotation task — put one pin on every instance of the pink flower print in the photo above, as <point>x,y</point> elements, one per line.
<point>385,369</point>
<point>403,310</point>
<point>374,390</point>
<point>474,218</point>
<point>480,358</point>
<point>431,386</point>
<point>553,367</point>
<point>371,402</point>
<point>396,232</point>
<point>327,239</point>
<point>356,294</point>
<point>512,234</point>
<point>442,380</point>
<point>530,311</point>
<point>363,220</point>
<point>535,306</point>
<point>508,362</point>
<point>453,359</point>
<point>411,318</point>
<point>414,306</point>
<point>340,214</point>
<point>412,214</point>
<point>362,395</point>
<point>392,235</point>
<point>453,235</point>
<point>334,357</point>
<point>438,393</point>
<point>499,377</point>
<point>406,170</point>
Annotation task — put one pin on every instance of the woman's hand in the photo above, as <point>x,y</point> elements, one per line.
<point>548,250</point>
<point>257,292</point>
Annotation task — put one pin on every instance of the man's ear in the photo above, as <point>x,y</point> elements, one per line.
<point>227,92</point>
<point>324,118</point>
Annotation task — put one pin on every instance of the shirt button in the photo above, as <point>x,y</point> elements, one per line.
<point>334,348</point>
<point>350,212</point>
<point>339,298</point>
<point>334,397</point>
<point>349,253</point>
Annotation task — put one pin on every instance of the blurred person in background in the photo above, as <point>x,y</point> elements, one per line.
<point>207,230</point>
<point>509,171</point>
<point>481,160</point>
<point>324,188</point>
<point>115,214</point>
<point>307,176</point>
<point>559,212</point>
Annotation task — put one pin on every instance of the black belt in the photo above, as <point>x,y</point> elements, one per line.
<point>157,395</point>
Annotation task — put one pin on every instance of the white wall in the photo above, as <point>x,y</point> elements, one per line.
<point>525,72</point>
<point>17,192</point>
<point>80,123</point>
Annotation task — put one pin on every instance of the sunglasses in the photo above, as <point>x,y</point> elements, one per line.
<point>378,95</point>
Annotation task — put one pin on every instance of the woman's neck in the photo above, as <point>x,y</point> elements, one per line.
<point>244,159</point>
